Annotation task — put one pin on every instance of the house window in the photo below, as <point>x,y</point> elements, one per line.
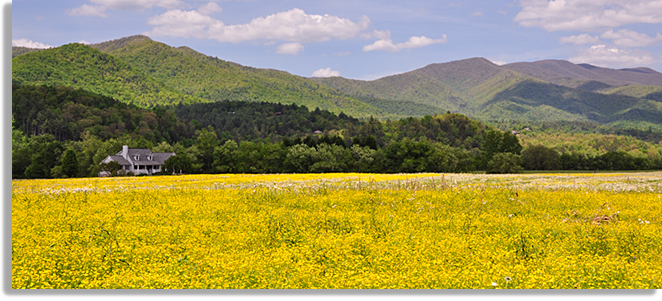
<point>149,157</point>
<point>136,157</point>
<point>135,167</point>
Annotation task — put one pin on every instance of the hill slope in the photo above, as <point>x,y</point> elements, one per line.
<point>213,79</point>
<point>481,89</point>
<point>81,66</point>
<point>144,72</point>
<point>584,75</point>
<point>461,86</point>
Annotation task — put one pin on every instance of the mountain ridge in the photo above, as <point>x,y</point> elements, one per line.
<point>542,90</point>
<point>555,71</point>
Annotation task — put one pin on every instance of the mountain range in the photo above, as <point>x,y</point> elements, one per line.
<point>144,72</point>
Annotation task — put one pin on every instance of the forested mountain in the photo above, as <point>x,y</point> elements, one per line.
<point>238,136</point>
<point>81,66</point>
<point>460,86</point>
<point>523,101</point>
<point>261,137</point>
<point>578,75</point>
<point>144,72</point>
<point>219,116</point>
<point>68,113</point>
<point>16,50</point>
<point>483,90</point>
<point>213,79</point>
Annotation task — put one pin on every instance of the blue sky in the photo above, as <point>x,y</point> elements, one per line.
<point>360,39</point>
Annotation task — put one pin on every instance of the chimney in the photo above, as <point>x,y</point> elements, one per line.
<point>125,152</point>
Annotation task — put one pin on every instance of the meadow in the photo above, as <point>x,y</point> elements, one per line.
<point>339,231</point>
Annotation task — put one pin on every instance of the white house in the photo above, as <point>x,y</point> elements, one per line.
<point>138,160</point>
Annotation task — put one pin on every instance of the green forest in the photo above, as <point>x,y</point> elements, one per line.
<point>76,104</point>
<point>61,131</point>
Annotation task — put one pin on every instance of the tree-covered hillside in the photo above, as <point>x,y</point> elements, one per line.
<point>68,113</point>
<point>145,72</point>
<point>17,51</point>
<point>520,99</point>
<point>213,79</point>
<point>55,127</point>
<point>483,90</point>
<point>81,66</point>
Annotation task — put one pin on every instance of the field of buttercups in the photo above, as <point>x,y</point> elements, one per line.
<point>358,231</point>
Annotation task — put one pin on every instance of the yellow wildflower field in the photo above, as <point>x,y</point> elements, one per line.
<point>405,231</point>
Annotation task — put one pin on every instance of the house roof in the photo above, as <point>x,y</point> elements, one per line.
<point>120,160</point>
<point>161,157</point>
<point>157,158</point>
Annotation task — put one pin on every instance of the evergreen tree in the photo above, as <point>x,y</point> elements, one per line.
<point>70,163</point>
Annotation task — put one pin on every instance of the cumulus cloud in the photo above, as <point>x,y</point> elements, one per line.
<point>413,42</point>
<point>610,56</point>
<point>630,38</point>
<point>178,23</point>
<point>580,39</point>
<point>293,26</point>
<point>325,72</point>
<point>289,48</point>
<point>587,15</point>
<point>29,44</point>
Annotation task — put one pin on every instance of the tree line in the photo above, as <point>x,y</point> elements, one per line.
<point>64,132</point>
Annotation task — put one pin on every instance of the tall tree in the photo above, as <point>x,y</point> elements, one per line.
<point>70,163</point>
<point>207,141</point>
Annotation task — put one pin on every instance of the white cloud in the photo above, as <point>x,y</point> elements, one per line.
<point>29,44</point>
<point>630,38</point>
<point>178,23</point>
<point>325,72</point>
<point>580,39</point>
<point>413,42</point>
<point>84,42</point>
<point>289,48</point>
<point>292,26</point>
<point>210,8</point>
<point>609,56</point>
<point>88,11</point>
<point>587,14</point>
<point>477,14</point>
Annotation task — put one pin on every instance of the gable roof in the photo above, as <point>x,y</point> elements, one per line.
<point>143,153</point>
<point>120,160</point>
